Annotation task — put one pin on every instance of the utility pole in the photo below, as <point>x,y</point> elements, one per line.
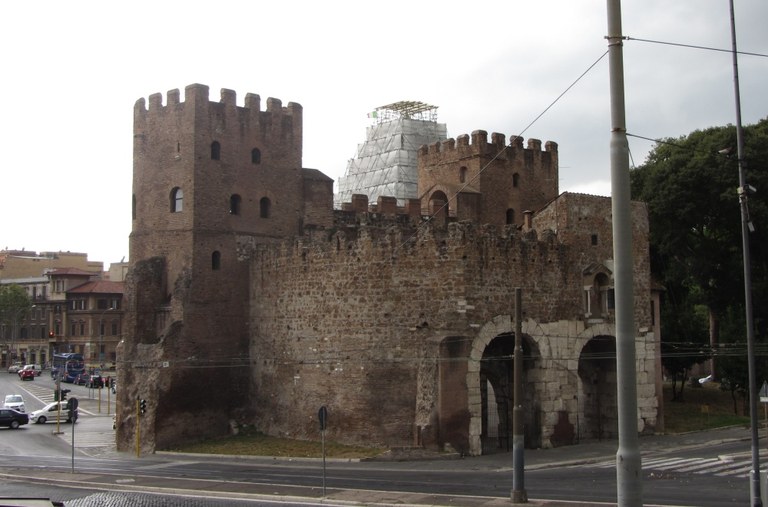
<point>628,462</point>
<point>519,494</point>
<point>743,191</point>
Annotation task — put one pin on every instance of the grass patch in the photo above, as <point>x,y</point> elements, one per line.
<point>249,442</point>
<point>701,408</point>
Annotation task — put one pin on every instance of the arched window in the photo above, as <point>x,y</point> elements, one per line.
<point>216,260</point>
<point>462,175</point>
<point>255,156</point>
<point>215,151</point>
<point>515,180</point>
<point>177,200</point>
<point>234,204</point>
<point>510,216</point>
<point>264,206</point>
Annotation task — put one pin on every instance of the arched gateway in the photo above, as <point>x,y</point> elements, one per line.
<point>569,385</point>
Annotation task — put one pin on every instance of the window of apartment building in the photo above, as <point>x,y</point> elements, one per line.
<point>115,326</point>
<point>177,200</point>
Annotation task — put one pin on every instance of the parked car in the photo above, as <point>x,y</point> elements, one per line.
<point>27,374</point>
<point>82,379</point>
<point>15,402</point>
<point>14,368</point>
<point>50,412</point>
<point>34,367</point>
<point>12,418</point>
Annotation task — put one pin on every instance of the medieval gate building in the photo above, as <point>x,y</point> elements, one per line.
<point>247,287</point>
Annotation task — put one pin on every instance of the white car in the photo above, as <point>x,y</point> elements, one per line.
<point>14,401</point>
<point>14,368</point>
<point>49,413</point>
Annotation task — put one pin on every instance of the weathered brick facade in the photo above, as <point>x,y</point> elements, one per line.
<point>398,320</point>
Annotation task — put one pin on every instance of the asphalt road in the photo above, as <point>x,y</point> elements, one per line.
<point>704,475</point>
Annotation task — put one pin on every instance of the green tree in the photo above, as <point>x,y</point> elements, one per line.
<point>689,185</point>
<point>14,308</point>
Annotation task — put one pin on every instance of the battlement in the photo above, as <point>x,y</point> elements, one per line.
<point>479,145</point>
<point>197,98</point>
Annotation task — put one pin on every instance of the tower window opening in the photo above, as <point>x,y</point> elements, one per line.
<point>216,260</point>
<point>255,156</point>
<point>177,200</point>
<point>215,151</point>
<point>510,216</point>
<point>264,207</point>
<point>462,175</point>
<point>515,180</point>
<point>234,204</point>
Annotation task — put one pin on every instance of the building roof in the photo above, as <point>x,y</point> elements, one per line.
<point>99,287</point>
<point>70,272</point>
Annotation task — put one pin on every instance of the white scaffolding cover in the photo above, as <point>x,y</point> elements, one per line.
<point>386,163</point>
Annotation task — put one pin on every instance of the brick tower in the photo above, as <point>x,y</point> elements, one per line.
<point>207,175</point>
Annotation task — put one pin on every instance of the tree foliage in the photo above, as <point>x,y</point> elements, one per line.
<point>14,305</point>
<point>690,187</point>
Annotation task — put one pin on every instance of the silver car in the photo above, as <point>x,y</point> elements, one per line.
<point>14,401</point>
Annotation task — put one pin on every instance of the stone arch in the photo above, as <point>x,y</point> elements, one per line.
<point>598,405</point>
<point>494,340</point>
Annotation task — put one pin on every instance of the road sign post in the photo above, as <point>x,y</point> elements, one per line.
<point>322,415</point>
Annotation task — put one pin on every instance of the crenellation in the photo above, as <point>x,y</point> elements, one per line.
<point>479,139</point>
<point>173,97</point>
<point>498,140</point>
<point>274,105</point>
<point>534,144</point>
<point>228,97</point>
<point>253,102</point>
<point>155,101</point>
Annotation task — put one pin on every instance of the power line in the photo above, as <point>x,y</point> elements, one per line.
<point>692,46</point>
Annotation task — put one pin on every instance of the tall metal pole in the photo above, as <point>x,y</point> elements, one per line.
<point>628,468</point>
<point>518,437</point>
<point>754,477</point>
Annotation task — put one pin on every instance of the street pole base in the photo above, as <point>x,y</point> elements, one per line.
<point>519,496</point>
<point>57,432</point>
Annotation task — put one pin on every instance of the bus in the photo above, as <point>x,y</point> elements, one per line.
<point>69,364</point>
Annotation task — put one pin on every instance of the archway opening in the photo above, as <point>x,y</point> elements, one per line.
<point>497,382</point>
<point>598,404</point>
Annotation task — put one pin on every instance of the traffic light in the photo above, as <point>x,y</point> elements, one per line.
<point>51,334</point>
<point>63,395</point>
<point>142,406</point>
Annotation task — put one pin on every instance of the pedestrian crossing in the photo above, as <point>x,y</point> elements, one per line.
<point>721,466</point>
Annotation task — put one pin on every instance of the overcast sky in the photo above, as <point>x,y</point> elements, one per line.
<point>72,71</point>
